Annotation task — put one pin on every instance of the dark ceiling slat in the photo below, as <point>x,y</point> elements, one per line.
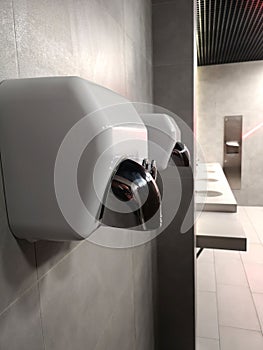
<point>213,30</point>
<point>245,30</point>
<point>238,33</point>
<point>199,26</point>
<point>218,29</point>
<point>205,33</point>
<point>229,31</point>
<point>222,31</point>
<point>257,45</point>
<point>235,20</point>
<point>255,29</point>
<point>209,30</point>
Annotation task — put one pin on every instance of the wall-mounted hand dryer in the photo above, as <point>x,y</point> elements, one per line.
<point>164,140</point>
<point>72,157</point>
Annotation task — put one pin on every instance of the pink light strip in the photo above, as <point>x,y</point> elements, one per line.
<point>252,131</point>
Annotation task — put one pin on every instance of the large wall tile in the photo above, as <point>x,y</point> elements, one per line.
<point>20,325</point>
<point>79,295</point>
<point>115,9</point>
<point>138,74</point>
<point>138,21</point>
<point>172,38</point>
<point>48,254</point>
<point>44,41</point>
<point>143,296</point>
<point>98,43</point>
<point>173,89</point>
<point>17,261</point>
<point>8,58</point>
<point>119,332</point>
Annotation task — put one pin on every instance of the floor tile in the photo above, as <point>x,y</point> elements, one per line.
<point>226,254</point>
<point>255,276</point>
<point>236,307</point>
<point>207,344</point>
<point>255,215</point>
<point>207,255</point>
<point>207,320</point>
<point>230,271</point>
<point>249,229</point>
<point>205,276</point>
<point>254,253</point>
<point>258,299</point>
<point>239,339</point>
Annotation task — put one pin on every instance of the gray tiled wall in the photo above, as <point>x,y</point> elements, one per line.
<point>173,57</point>
<point>65,296</point>
<point>233,89</point>
<point>173,67</point>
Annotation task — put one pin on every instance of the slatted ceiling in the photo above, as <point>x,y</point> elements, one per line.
<point>229,31</point>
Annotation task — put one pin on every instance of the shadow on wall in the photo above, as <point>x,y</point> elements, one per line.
<point>18,253</point>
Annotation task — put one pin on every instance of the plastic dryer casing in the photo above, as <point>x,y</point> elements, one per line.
<point>62,140</point>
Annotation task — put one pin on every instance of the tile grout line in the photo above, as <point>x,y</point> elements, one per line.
<point>112,17</point>
<point>123,29</point>
<point>164,3</point>
<point>17,299</point>
<point>251,294</point>
<point>39,298</point>
<point>108,322</point>
<point>125,57</point>
<point>242,329</point>
<point>38,280</point>
<point>217,303</point>
<point>161,65</point>
<point>133,296</point>
<point>252,224</point>
<point>15,38</point>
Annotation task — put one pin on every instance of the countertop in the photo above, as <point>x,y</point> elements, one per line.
<point>212,190</point>
<point>217,224</point>
<point>219,230</point>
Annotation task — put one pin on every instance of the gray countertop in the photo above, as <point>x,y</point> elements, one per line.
<point>219,230</point>
<point>213,192</point>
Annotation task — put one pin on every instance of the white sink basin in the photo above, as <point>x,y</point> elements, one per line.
<point>209,180</point>
<point>209,193</point>
<point>213,192</point>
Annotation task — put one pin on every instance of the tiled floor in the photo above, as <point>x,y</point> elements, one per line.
<point>230,292</point>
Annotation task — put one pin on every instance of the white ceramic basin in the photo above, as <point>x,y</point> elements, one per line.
<point>209,193</point>
<point>209,180</point>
